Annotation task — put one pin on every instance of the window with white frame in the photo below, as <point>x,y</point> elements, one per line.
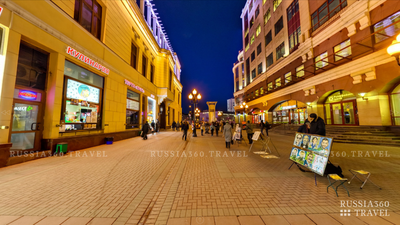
<point>288,77</point>
<point>300,71</point>
<point>342,50</point>
<point>321,61</point>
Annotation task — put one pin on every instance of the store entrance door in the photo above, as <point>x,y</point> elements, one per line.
<point>27,125</point>
<point>342,113</point>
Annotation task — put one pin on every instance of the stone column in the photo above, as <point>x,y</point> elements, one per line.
<point>211,111</point>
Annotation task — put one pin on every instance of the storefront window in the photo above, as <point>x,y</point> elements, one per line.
<point>151,110</point>
<point>395,103</point>
<point>292,112</point>
<point>82,99</point>
<point>132,109</point>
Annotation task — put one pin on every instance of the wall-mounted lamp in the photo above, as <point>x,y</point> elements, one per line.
<point>309,104</point>
<point>362,95</point>
<point>394,49</point>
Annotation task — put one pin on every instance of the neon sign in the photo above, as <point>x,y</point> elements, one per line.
<point>130,84</point>
<point>72,52</point>
<point>28,95</point>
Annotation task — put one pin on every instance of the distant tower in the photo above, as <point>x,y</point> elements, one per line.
<point>211,111</point>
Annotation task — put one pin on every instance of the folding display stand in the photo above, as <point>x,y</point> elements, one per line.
<point>365,175</point>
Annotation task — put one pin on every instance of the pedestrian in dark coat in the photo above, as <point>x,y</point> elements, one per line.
<point>250,132</point>
<point>158,126</point>
<point>145,130</point>
<point>216,128</point>
<point>173,125</point>
<point>153,126</point>
<point>317,125</point>
<point>178,126</point>
<point>185,128</point>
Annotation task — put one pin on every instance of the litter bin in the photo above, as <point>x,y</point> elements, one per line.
<point>61,147</point>
<point>109,140</point>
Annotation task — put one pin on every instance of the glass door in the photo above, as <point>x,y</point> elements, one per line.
<point>337,113</point>
<point>26,126</point>
<point>348,113</point>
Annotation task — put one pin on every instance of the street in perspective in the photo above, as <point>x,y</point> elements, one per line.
<point>188,112</point>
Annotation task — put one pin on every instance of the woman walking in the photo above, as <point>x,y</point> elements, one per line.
<point>145,130</point>
<point>228,135</point>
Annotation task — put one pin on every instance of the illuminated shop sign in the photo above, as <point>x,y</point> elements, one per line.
<point>152,96</point>
<point>130,84</point>
<point>29,108</point>
<point>77,90</point>
<point>74,53</point>
<point>27,95</point>
<point>1,10</point>
<point>289,107</point>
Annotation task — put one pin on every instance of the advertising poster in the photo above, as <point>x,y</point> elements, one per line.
<point>311,151</point>
<point>77,90</point>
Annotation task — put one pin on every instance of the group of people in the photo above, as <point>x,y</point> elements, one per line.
<point>147,128</point>
<point>176,126</point>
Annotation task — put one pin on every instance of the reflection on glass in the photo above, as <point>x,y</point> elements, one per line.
<point>23,141</point>
<point>24,116</point>
<point>348,111</point>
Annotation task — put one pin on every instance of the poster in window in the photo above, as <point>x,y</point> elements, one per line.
<point>93,116</point>
<point>77,90</point>
<point>133,105</point>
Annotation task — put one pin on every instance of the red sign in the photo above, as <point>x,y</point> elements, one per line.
<point>127,82</point>
<point>72,52</point>
<point>1,10</point>
<point>28,95</point>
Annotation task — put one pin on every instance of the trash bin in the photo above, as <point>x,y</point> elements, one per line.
<point>109,140</point>
<point>61,147</point>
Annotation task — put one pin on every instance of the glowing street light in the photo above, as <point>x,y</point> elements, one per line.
<point>394,49</point>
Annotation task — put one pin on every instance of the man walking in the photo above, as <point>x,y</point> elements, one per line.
<point>250,132</point>
<point>185,128</point>
<point>153,127</point>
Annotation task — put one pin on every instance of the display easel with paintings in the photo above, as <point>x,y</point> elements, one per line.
<point>311,151</point>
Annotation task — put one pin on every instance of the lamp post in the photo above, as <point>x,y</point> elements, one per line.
<point>394,49</point>
<point>245,106</point>
<point>194,97</point>
<point>197,113</point>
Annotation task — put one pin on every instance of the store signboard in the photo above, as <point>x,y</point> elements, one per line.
<point>77,90</point>
<point>127,82</point>
<point>289,107</point>
<point>1,10</point>
<point>311,151</point>
<point>27,95</point>
<point>74,53</point>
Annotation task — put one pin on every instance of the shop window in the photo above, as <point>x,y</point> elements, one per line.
<point>382,33</point>
<point>152,69</point>
<point>88,14</point>
<point>267,16</point>
<point>144,66</point>
<point>326,11</point>
<point>278,83</point>
<point>270,60</point>
<point>32,68</point>
<point>258,31</point>
<point>82,99</point>
<point>321,61</point>
<point>300,71</point>
<point>342,50</point>
<point>279,25</point>
<point>132,109</point>
<point>151,110</point>
<point>259,49</point>
<point>252,39</point>
<point>253,56</point>
<point>288,77</point>
<point>276,4</point>
<point>280,51</point>
<point>257,11</point>
<point>134,53</point>
<point>253,74</point>
<point>270,86</point>
<point>259,68</point>
<point>261,90</point>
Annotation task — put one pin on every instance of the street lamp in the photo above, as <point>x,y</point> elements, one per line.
<point>394,49</point>
<point>194,97</point>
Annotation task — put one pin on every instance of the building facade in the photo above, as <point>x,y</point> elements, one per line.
<point>327,57</point>
<point>79,71</point>
<point>231,105</point>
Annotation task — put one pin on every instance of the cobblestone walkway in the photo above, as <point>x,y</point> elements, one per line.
<point>165,180</point>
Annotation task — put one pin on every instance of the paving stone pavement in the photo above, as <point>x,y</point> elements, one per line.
<point>165,180</point>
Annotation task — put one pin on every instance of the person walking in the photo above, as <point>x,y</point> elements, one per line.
<point>266,126</point>
<point>153,127</point>
<point>250,131</point>
<point>212,128</point>
<point>202,128</point>
<point>216,128</point>
<point>262,125</point>
<point>158,126</point>
<point>145,130</point>
<point>185,128</point>
<point>173,125</point>
<point>228,135</point>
